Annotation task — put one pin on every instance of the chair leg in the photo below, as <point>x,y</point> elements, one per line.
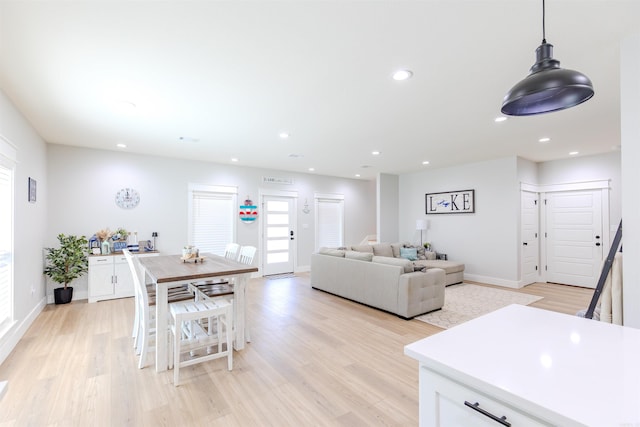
<point>229,330</point>
<point>176,351</point>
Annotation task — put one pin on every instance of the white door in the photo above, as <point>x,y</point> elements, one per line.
<point>279,234</point>
<point>574,237</point>
<point>530,250</point>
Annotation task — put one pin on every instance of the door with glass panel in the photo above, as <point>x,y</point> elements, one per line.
<point>279,234</point>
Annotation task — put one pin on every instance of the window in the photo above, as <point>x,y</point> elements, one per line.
<point>7,156</point>
<point>212,217</point>
<point>329,220</point>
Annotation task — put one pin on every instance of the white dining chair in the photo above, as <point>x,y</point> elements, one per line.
<point>247,253</point>
<point>144,316</point>
<point>231,251</point>
<point>197,328</point>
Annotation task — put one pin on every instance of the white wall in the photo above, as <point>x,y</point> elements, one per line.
<point>83,183</point>
<point>29,222</point>
<point>630,110</point>
<point>387,211</point>
<point>487,240</point>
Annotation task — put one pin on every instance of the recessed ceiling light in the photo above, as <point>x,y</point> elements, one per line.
<point>121,145</point>
<point>544,140</point>
<point>426,162</point>
<point>500,119</point>
<point>357,175</point>
<point>283,135</point>
<point>312,169</point>
<point>402,75</point>
<point>573,153</point>
<point>296,155</point>
<point>375,153</point>
<point>234,159</point>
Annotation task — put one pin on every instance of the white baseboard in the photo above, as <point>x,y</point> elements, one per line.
<point>17,331</point>
<point>515,284</point>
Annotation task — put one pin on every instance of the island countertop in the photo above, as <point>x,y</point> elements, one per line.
<point>556,366</point>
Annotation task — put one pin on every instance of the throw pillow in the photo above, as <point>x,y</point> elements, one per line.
<point>361,256</point>
<point>395,247</point>
<point>382,249</point>
<point>430,255</point>
<point>409,253</point>
<point>362,248</point>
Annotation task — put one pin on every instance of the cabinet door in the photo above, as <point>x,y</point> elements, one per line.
<point>447,403</point>
<point>100,277</point>
<point>124,281</point>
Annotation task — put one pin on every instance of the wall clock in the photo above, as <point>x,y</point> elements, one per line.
<point>127,198</point>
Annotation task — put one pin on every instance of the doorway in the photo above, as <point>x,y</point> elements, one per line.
<point>278,234</point>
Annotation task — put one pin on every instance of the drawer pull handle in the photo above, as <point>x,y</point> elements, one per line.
<point>476,407</point>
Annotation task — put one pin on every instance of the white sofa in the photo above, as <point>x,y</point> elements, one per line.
<point>385,283</point>
<point>454,270</point>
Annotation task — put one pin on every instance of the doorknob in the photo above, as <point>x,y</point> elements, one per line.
<point>291,234</point>
<point>524,243</point>
<point>598,244</point>
<point>597,237</point>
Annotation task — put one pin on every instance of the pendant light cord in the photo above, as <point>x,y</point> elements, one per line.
<point>544,37</point>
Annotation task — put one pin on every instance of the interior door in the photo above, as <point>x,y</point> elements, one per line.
<point>279,234</point>
<point>574,237</point>
<point>530,250</point>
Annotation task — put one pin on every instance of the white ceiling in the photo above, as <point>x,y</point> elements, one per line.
<point>234,74</point>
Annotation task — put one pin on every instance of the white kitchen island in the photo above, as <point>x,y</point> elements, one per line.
<point>523,366</point>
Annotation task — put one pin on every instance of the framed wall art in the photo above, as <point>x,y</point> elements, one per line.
<point>32,190</point>
<point>450,202</point>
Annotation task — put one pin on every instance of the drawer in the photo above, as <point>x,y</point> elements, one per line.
<point>100,260</point>
<point>448,403</point>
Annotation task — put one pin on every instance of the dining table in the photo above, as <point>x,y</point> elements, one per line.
<point>168,271</point>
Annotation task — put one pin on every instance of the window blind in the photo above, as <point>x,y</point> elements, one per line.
<point>213,218</point>
<point>330,222</point>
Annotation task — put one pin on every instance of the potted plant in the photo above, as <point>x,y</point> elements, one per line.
<point>65,264</point>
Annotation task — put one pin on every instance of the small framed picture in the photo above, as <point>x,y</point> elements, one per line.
<point>32,190</point>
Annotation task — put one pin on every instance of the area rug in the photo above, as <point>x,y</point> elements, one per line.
<point>465,302</point>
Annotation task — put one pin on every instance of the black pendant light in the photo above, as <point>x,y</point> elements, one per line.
<point>548,87</point>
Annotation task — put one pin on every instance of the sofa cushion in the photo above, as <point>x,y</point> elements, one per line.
<point>449,267</point>
<point>400,262</point>
<point>430,255</point>
<point>409,253</point>
<point>382,249</point>
<point>362,248</point>
<point>362,256</point>
<point>332,252</point>
<point>395,247</point>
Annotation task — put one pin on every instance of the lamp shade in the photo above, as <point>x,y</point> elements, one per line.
<point>547,88</point>
<point>421,224</point>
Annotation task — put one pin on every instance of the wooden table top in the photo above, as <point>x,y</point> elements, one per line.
<point>171,268</point>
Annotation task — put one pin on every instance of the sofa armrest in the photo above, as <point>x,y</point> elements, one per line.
<point>420,293</point>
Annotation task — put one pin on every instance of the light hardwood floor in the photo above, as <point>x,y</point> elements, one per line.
<point>315,360</point>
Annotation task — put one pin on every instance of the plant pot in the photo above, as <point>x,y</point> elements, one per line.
<point>62,295</point>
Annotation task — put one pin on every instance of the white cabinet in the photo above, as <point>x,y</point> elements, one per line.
<point>523,366</point>
<point>110,277</point>
<point>457,405</point>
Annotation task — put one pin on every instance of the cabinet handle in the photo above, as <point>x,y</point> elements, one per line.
<point>476,407</point>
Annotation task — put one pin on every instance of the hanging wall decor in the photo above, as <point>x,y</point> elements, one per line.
<point>248,211</point>
<point>450,202</point>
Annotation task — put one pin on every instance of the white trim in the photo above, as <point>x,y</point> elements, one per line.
<point>7,149</point>
<point>515,284</point>
<point>280,193</point>
<point>17,331</point>
<point>569,186</point>
<point>213,188</point>
<point>328,196</point>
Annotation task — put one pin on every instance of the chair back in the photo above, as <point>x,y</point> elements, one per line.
<point>247,253</point>
<point>231,251</point>
<point>137,274</point>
